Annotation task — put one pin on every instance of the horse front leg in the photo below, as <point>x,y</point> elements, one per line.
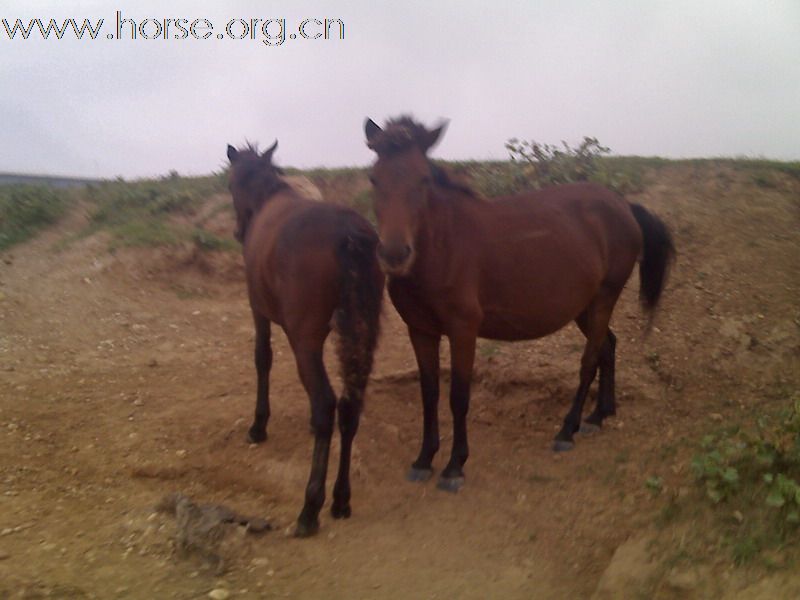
<point>263,362</point>
<point>462,354</point>
<point>426,350</point>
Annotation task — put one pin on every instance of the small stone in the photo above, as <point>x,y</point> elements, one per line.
<point>219,594</point>
<point>180,453</point>
<point>138,402</point>
<point>716,416</point>
<point>260,562</point>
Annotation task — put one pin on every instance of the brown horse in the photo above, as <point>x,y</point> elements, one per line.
<point>308,265</point>
<point>517,268</point>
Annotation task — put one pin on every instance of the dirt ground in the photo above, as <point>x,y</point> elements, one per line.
<point>128,376</point>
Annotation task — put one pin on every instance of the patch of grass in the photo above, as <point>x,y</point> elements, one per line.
<point>488,348</point>
<point>745,549</point>
<point>144,233</point>
<point>763,179</point>
<point>186,293</point>
<point>669,513</point>
<point>754,473</point>
<point>25,209</point>
<point>138,213</point>
<point>210,242</point>
<point>654,484</point>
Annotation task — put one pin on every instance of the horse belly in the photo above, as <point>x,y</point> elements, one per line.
<point>541,302</point>
<point>508,326</point>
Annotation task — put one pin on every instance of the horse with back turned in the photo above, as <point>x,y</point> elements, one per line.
<point>308,264</point>
<point>516,268</point>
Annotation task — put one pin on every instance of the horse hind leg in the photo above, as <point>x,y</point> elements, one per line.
<point>606,403</point>
<point>349,411</point>
<point>323,408</point>
<point>594,324</point>
<point>263,363</point>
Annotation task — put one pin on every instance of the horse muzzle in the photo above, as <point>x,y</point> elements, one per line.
<point>396,258</point>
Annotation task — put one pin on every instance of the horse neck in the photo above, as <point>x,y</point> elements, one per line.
<point>448,221</point>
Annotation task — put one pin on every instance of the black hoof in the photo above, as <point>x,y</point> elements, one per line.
<point>563,445</point>
<point>450,484</point>
<point>304,530</point>
<point>421,475</point>
<point>256,435</point>
<point>341,512</point>
<point>588,428</point>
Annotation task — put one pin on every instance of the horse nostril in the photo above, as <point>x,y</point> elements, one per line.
<point>394,254</point>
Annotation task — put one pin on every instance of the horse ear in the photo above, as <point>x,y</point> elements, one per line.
<point>267,155</point>
<point>233,154</point>
<point>432,137</point>
<point>371,129</point>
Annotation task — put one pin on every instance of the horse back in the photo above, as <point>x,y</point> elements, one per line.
<point>291,260</point>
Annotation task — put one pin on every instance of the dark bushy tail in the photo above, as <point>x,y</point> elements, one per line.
<point>657,256</point>
<point>358,315</point>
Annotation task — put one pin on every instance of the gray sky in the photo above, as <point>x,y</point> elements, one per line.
<point>672,78</point>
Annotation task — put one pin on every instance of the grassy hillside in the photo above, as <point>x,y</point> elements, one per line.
<point>173,210</point>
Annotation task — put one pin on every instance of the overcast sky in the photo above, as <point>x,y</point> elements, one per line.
<point>675,78</point>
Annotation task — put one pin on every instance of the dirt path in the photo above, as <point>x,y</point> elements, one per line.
<point>126,377</point>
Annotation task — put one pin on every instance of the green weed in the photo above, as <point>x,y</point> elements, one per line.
<point>25,209</point>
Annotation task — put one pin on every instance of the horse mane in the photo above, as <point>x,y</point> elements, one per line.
<point>443,178</point>
<point>403,133</point>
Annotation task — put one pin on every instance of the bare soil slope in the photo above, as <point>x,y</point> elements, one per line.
<point>128,376</point>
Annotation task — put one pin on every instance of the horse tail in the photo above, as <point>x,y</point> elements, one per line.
<point>658,255</point>
<point>357,318</point>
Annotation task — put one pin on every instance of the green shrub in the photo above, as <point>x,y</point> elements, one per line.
<point>539,165</point>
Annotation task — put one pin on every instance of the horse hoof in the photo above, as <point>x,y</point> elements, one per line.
<point>421,475</point>
<point>342,512</point>
<point>589,428</point>
<point>304,530</point>
<point>450,484</point>
<point>256,436</point>
<point>563,445</point>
